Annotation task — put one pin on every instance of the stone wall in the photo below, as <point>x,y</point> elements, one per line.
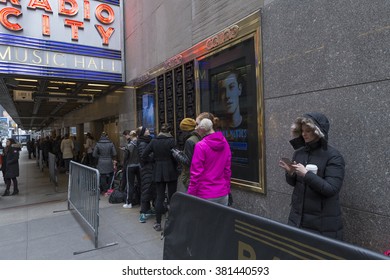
<point>318,55</point>
<point>331,57</point>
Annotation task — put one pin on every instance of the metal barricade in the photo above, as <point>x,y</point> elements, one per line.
<point>37,155</point>
<point>40,160</point>
<point>83,194</point>
<point>53,170</point>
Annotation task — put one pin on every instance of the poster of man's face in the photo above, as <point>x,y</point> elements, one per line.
<point>228,90</point>
<point>146,106</point>
<point>148,111</point>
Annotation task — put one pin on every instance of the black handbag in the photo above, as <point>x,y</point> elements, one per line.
<point>117,197</point>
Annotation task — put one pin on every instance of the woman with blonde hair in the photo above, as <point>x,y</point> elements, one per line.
<point>315,202</point>
<point>211,165</point>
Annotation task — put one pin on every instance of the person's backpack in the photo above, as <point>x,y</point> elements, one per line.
<point>117,197</point>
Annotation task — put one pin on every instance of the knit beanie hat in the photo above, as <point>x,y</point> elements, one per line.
<point>187,124</point>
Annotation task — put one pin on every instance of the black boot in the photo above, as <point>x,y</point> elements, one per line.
<point>16,189</point>
<point>6,193</point>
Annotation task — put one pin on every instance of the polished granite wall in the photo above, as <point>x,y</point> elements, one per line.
<point>331,57</point>
<point>318,55</point>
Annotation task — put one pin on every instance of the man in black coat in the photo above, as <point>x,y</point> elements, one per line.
<point>165,172</point>
<point>10,166</point>
<point>315,204</point>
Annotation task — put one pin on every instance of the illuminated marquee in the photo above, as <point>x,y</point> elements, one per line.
<point>104,14</point>
<point>69,39</point>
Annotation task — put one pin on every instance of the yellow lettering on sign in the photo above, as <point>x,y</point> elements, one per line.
<point>245,251</point>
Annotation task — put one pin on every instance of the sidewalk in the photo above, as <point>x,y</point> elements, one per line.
<point>35,225</point>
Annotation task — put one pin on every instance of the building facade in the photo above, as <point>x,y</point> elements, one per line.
<point>296,57</point>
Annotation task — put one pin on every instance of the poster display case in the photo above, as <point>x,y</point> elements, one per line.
<point>221,75</point>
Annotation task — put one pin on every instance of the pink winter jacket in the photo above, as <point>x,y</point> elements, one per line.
<point>211,167</point>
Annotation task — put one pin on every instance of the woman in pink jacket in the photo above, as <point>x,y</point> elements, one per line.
<point>211,165</point>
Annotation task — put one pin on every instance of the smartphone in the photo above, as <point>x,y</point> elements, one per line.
<point>287,161</point>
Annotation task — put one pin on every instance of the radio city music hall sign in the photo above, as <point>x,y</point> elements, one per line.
<point>66,10</point>
<point>60,38</point>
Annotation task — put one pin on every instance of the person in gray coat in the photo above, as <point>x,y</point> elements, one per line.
<point>105,153</point>
<point>315,204</point>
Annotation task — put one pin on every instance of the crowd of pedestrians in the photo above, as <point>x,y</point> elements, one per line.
<point>151,167</point>
<point>203,166</point>
<point>154,166</point>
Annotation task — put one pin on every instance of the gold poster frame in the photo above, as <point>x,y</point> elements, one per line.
<point>235,182</point>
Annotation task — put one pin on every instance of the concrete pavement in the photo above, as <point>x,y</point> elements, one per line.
<point>35,225</point>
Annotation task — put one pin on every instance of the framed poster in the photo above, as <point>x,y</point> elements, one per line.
<point>229,89</point>
<point>146,108</point>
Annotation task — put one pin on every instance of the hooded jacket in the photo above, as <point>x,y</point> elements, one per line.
<point>211,167</point>
<point>147,167</point>
<point>315,204</point>
<point>105,152</point>
<point>10,165</point>
<point>165,169</point>
<point>131,156</point>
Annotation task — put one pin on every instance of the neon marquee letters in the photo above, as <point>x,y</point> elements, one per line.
<point>104,14</point>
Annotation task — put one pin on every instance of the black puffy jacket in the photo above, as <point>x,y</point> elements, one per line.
<point>10,165</point>
<point>147,167</point>
<point>315,204</point>
<point>165,169</point>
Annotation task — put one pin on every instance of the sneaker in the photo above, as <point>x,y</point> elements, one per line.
<point>142,218</point>
<point>150,212</point>
<point>157,227</point>
<point>128,206</point>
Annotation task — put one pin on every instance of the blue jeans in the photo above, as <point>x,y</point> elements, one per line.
<point>221,200</point>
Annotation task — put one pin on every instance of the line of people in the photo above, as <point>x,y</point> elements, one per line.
<point>205,169</point>
<point>204,166</point>
<point>64,148</point>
